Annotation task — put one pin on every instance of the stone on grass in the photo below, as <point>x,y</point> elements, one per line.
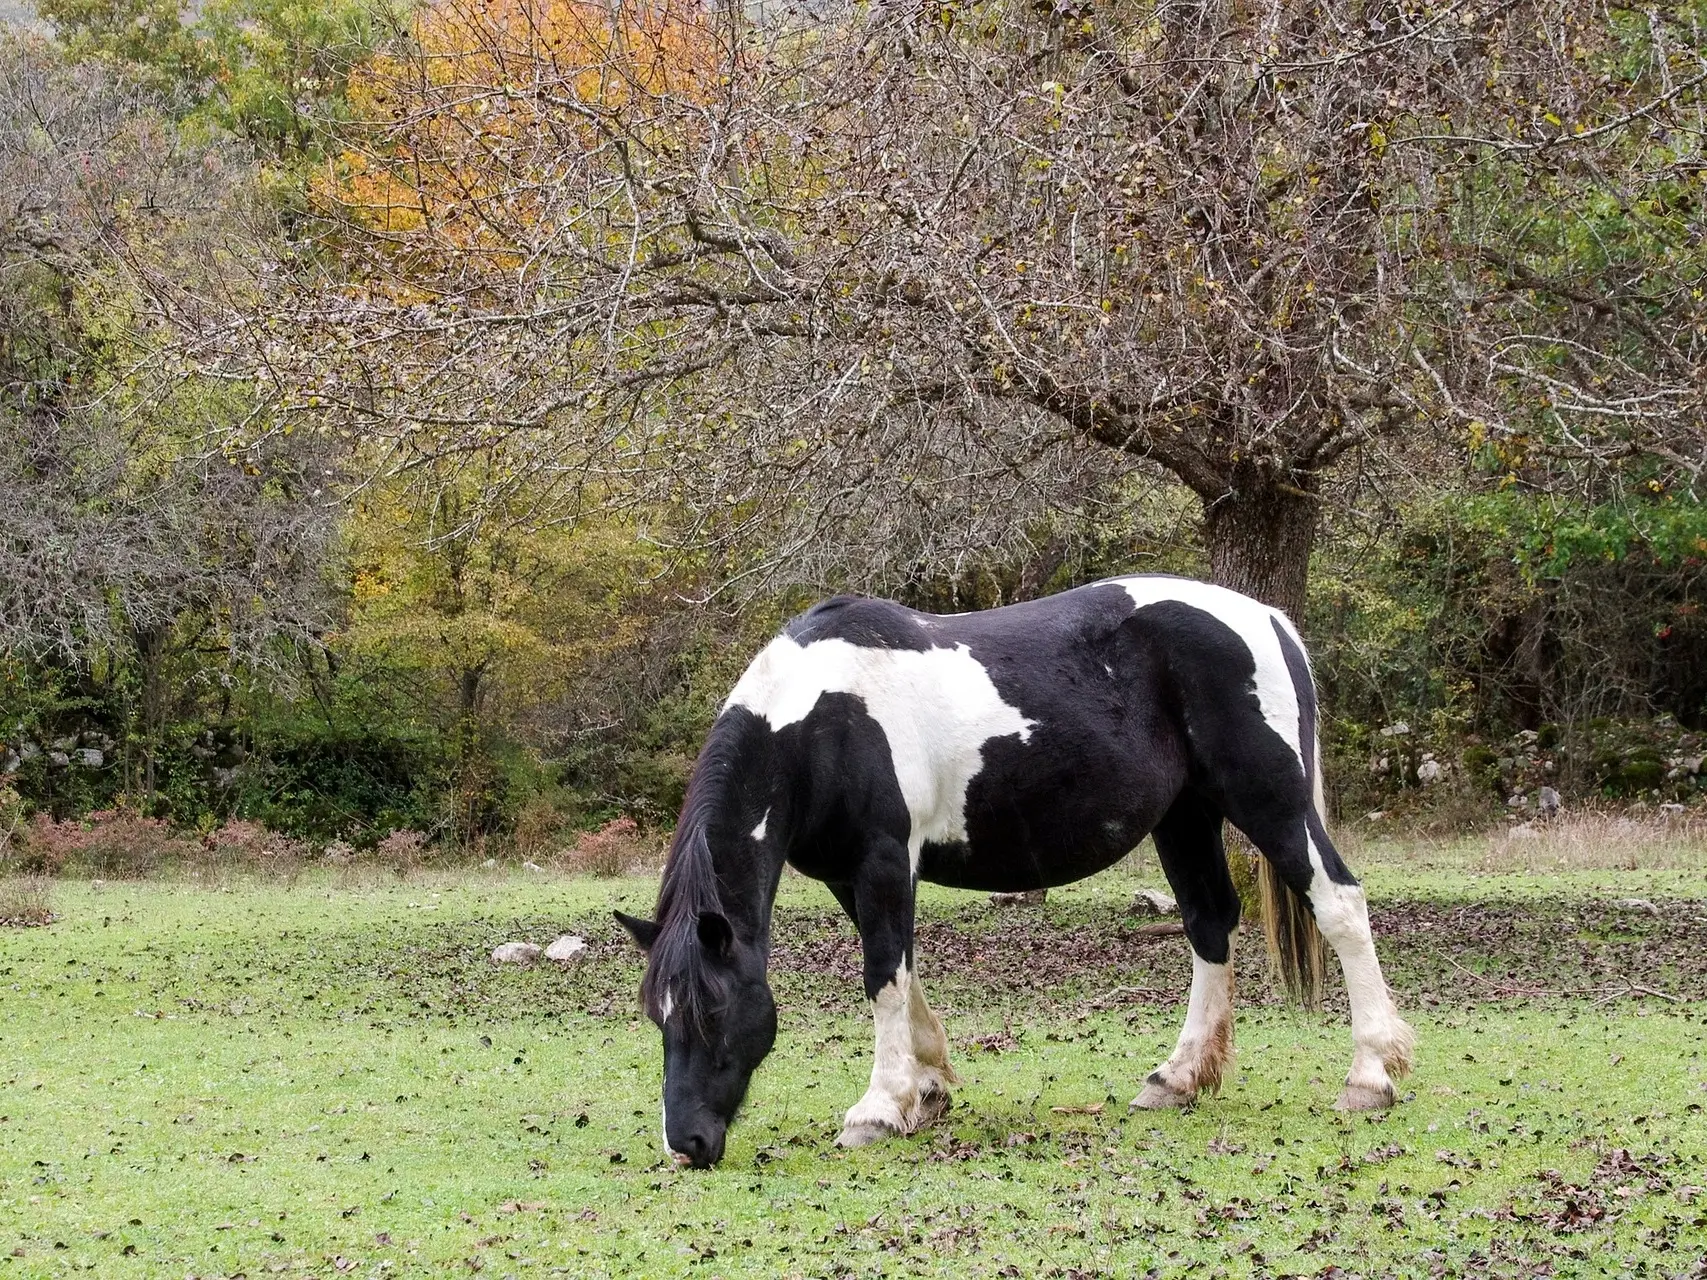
<point>1154,902</point>
<point>532,866</point>
<point>1548,802</point>
<point>1637,904</point>
<point>568,949</point>
<point>516,953</point>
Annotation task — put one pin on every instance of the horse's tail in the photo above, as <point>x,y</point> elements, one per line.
<point>1295,950</point>
<point>1296,953</point>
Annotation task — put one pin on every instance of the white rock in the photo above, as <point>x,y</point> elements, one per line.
<point>1025,898</point>
<point>516,953</point>
<point>1548,802</point>
<point>1397,729</point>
<point>1429,772</point>
<point>92,757</point>
<point>1523,831</point>
<point>489,863</point>
<point>532,866</point>
<point>1637,904</point>
<point>1157,902</point>
<point>568,949</point>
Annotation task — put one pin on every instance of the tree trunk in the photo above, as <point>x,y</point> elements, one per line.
<point>150,644</point>
<point>1260,535</point>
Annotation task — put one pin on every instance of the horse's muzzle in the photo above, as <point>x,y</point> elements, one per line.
<point>697,1150</point>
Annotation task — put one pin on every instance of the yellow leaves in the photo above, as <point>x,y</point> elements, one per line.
<point>1377,139</point>
<point>369,584</point>
<point>437,590</point>
<point>483,84</point>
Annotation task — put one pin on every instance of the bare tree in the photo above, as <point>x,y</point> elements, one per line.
<point>900,289</point>
<point>128,523</point>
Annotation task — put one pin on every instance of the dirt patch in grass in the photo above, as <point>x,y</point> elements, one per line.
<point>1435,953</point>
<point>1067,959</point>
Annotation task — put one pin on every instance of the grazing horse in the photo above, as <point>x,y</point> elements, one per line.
<point>872,746</point>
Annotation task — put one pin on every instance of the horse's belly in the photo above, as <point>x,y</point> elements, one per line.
<point>1014,854</point>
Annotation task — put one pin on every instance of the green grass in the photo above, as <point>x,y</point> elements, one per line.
<point>329,1079</point>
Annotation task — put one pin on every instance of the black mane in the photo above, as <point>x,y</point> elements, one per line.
<point>679,965</point>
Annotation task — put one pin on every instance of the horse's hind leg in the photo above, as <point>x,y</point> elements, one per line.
<point>1297,845</point>
<point>910,1074</point>
<point>1188,840</point>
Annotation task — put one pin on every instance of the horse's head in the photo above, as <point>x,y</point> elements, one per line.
<point>706,990</point>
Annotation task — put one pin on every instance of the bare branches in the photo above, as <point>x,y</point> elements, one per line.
<point>124,502</point>
<point>837,275</point>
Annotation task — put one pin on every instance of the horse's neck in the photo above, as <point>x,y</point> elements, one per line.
<point>749,855</point>
<point>747,878</point>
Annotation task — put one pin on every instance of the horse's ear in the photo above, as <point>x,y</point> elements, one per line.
<point>644,932</point>
<point>715,935</point>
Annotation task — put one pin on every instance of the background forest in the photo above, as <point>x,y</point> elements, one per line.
<point>412,417</point>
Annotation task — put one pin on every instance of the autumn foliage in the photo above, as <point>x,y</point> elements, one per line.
<point>471,131</point>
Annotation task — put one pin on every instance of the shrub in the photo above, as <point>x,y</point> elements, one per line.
<point>246,843</point>
<point>123,845</point>
<point>118,844</point>
<point>537,828</point>
<point>610,850</point>
<point>12,827</point>
<point>24,902</point>
<point>400,850</point>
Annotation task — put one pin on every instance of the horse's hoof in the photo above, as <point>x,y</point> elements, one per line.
<point>1157,1096</point>
<point>1363,1097</point>
<point>865,1133</point>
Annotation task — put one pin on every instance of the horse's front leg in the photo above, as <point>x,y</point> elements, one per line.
<point>910,1074</point>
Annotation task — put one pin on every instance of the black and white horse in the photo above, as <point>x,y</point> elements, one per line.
<point>872,746</point>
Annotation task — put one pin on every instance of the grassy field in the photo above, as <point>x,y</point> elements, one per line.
<point>328,1078</point>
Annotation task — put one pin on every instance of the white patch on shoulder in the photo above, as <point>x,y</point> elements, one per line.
<point>1253,622</point>
<point>937,707</point>
<point>759,831</point>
